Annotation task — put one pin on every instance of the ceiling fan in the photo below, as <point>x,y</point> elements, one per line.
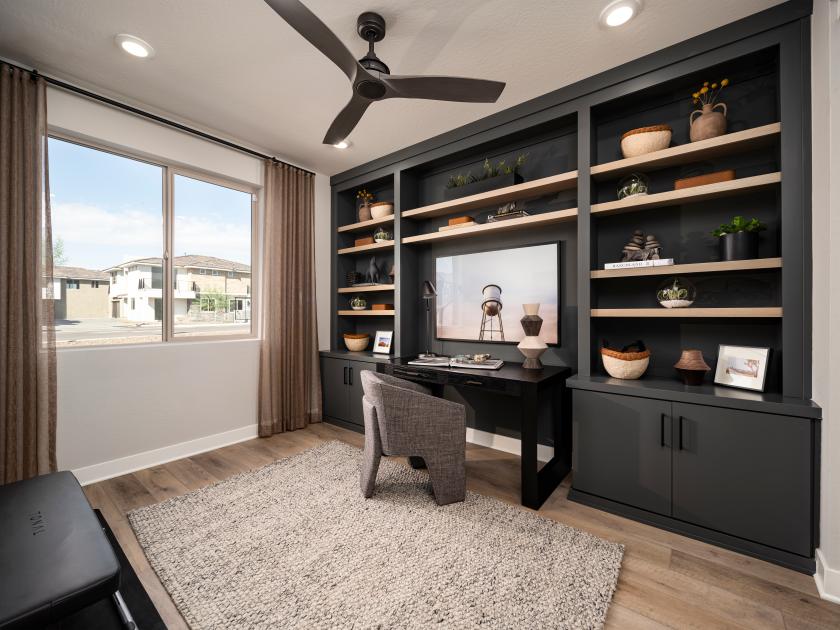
<point>370,77</point>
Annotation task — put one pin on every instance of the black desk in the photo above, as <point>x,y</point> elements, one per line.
<point>535,389</point>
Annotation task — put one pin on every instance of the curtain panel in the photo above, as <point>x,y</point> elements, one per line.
<point>27,334</point>
<point>290,380</point>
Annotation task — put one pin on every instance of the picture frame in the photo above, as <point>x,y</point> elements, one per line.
<point>382,341</point>
<point>743,367</point>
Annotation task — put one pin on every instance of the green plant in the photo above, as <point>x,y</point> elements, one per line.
<point>673,293</point>
<point>489,171</point>
<point>740,224</point>
<point>382,234</point>
<point>358,302</point>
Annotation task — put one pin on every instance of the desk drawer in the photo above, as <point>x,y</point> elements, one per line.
<point>416,374</point>
<point>482,382</point>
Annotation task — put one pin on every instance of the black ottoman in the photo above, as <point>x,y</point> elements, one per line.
<point>54,556</point>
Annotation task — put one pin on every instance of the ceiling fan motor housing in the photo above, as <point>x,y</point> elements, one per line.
<point>371,28</point>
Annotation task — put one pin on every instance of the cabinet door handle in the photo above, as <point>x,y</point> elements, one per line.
<point>351,376</point>
<point>681,432</point>
<point>662,429</point>
<point>473,383</point>
<point>345,375</point>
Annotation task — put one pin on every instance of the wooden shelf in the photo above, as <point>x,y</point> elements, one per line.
<point>367,313</point>
<point>368,289</point>
<point>727,144</point>
<point>764,311</point>
<point>709,267</point>
<point>689,195</point>
<point>526,190</point>
<point>362,226</point>
<point>367,248</point>
<point>546,218</point>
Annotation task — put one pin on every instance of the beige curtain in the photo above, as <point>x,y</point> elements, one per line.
<point>290,381</point>
<point>27,336</point>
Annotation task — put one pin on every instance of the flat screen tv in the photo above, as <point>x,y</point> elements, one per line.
<point>480,295</point>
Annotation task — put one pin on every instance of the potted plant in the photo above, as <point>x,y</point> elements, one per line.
<point>381,235</point>
<point>492,176</point>
<point>739,239</point>
<point>358,303</point>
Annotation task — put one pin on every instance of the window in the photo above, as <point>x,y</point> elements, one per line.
<point>110,218</point>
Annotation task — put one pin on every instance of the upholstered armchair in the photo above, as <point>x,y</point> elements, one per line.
<point>404,419</point>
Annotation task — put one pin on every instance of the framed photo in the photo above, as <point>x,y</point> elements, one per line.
<point>382,341</point>
<point>742,366</point>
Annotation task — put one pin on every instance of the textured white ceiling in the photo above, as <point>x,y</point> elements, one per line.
<point>235,67</point>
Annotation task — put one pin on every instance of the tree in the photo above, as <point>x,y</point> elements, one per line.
<point>212,299</point>
<point>59,257</point>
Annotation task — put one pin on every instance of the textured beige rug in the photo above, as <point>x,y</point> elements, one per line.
<point>295,545</point>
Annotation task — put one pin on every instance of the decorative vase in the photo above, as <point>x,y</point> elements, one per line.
<point>739,246</point>
<point>692,367</point>
<point>364,211</point>
<point>532,346</point>
<point>708,122</point>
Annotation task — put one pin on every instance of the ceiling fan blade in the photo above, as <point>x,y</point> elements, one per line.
<point>346,120</point>
<point>316,33</point>
<point>443,88</point>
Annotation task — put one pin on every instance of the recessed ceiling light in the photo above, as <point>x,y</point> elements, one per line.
<point>620,12</point>
<point>342,145</point>
<point>134,46</point>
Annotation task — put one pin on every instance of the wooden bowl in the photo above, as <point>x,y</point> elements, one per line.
<point>381,209</point>
<point>645,140</point>
<point>625,365</point>
<point>356,342</point>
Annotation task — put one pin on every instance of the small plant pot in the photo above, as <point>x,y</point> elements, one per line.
<point>739,246</point>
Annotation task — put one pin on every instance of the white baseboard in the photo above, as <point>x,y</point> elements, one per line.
<point>506,444</point>
<point>124,465</point>
<point>827,579</point>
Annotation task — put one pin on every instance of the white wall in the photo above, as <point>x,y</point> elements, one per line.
<point>124,408</point>
<point>825,25</point>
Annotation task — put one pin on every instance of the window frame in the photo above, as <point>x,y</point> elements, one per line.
<point>169,169</point>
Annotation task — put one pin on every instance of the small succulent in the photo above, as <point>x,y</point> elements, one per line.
<point>740,224</point>
<point>358,302</point>
<point>382,234</point>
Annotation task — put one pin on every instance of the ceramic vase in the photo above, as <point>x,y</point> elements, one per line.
<point>364,212</point>
<point>707,123</point>
<point>532,346</point>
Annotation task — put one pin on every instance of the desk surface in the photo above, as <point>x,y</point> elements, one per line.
<point>508,372</point>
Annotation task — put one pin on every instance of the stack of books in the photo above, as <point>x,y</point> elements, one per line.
<point>662,262</point>
<point>456,223</point>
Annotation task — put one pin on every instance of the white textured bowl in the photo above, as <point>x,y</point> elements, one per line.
<point>676,303</point>
<point>628,370</point>
<point>381,210</point>
<point>646,142</point>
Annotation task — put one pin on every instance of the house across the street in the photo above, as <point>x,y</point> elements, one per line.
<point>80,293</point>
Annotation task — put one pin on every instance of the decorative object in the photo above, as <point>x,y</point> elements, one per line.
<point>645,140</point>
<point>491,312</point>
<point>692,367</point>
<point>634,264</point>
<point>510,210</point>
<point>739,239</point>
<point>365,240</point>
<point>527,274</point>
<point>358,303</point>
<point>476,362</point>
<point>702,180</point>
<point>742,366</point>
<point>356,342</point>
<point>364,198</point>
<point>532,346</point>
<point>429,295</point>
<point>373,272</point>
<point>708,123</point>
<point>382,341</point>
<point>460,220</point>
<point>353,278</point>
<point>382,307</point>
<point>629,363</point>
<point>676,293</point>
<point>493,176</point>
<point>641,247</point>
<point>392,274</point>
<point>457,222</point>
<point>633,185</point>
<point>382,235</point>
<point>381,209</point>
<point>193,541</point>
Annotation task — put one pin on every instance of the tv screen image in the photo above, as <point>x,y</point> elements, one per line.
<point>480,295</point>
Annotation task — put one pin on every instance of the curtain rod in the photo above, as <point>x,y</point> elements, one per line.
<point>159,119</point>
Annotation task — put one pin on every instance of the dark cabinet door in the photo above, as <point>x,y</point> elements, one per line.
<point>357,414</point>
<point>334,376</point>
<point>621,449</point>
<point>744,473</point>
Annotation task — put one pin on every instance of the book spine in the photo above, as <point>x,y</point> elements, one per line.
<point>640,263</point>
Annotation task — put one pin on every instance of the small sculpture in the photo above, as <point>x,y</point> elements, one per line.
<point>641,247</point>
<point>373,273</point>
<point>532,346</point>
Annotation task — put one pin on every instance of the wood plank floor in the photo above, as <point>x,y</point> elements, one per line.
<point>667,580</point>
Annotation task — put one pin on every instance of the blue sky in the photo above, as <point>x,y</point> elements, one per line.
<point>108,209</point>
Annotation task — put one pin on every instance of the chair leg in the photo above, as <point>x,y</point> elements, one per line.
<point>448,476</point>
<point>372,453</point>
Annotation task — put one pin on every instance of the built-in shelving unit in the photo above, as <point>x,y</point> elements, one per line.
<point>709,267</point>
<point>369,313</point>
<point>536,220</point>
<point>361,249</point>
<point>367,289</point>
<point>758,312</point>
<point>526,190</point>
<point>728,144</point>
<point>365,226</point>
<point>689,195</point>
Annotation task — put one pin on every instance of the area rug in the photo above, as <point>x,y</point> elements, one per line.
<point>295,545</point>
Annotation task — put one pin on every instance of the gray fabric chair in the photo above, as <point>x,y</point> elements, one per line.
<point>404,419</point>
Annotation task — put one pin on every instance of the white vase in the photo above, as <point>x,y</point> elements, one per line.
<point>532,347</point>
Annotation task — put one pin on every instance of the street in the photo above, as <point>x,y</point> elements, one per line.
<point>107,331</point>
